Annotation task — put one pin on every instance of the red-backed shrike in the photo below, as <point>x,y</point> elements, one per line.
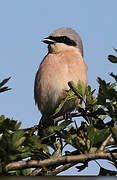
<point>63,63</point>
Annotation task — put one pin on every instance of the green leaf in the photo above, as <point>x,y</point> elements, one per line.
<point>114,76</point>
<point>79,90</point>
<point>52,130</point>
<point>57,151</point>
<point>97,136</point>
<point>63,125</point>
<point>14,173</point>
<point>106,92</point>
<point>2,89</point>
<point>103,85</point>
<point>91,100</point>
<point>114,131</point>
<point>67,98</point>
<point>17,125</point>
<point>72,139</point>
<point>69,138</point>
<point>8,124</point>
<point>4,82</point>
<point>35,143</point>
<point>112,85</point>
<point>26,172</point>
<point>74,92</point>
<point>112,58</point>
<point>2,119</point>
<point>18,138</point>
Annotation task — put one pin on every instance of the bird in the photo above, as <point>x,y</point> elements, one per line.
<point>63,63</point>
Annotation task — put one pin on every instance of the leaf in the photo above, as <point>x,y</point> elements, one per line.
<point>18,138</point>
<point>114,131</point>
<point>97,136</point>
<point>8,124</point>
<point>114,76</point>
<point>112,85</point>
<point>103,84</point>
<point>57,151</point>
<point>17,125</point>
<point>112,58</point>
<point>69,96</point>
<point>2,119</point>
<point>14,173</point>
<point>4,82</point>
<point>71,139</point>
<point>35,143</point>
<point>26,172</point>
<point>106,92</point>
<point>52,130</point>
<point>63,125</point>
<point>79,90</point>
<point>99,111</point>
<point>106,172</point>
<point>90,99</point>
<point>2,89</point>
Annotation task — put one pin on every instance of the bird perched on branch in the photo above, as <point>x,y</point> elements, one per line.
<point>63,63</point>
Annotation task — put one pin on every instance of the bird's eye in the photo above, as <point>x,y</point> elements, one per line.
<point>64,38</point>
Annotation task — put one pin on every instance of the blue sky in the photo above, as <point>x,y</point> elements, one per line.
<point>22,26</point>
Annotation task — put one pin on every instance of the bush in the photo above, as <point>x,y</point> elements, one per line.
<point>26,151</point>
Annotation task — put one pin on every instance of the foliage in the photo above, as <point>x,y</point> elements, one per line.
<point>2,88</point>
<point>87,135</point>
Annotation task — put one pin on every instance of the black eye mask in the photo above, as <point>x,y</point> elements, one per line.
<point>63,39</point>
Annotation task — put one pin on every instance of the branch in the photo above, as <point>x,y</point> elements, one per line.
<point>53,172</point>
<point>78,114</point>
<point>61,169</point>
<point>59,161</point>
<point>36,172</point>
<point>62,117</point>
<point>105,142</point>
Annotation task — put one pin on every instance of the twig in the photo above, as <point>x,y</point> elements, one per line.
<point>105,142</point>
<point>60,118</point>
<point>53,172</point>
<point>61,169</point>
<point>78,114</point>
<point>59,160</point>
<point>35,172</point>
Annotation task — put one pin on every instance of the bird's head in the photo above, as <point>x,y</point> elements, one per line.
<point>64,39</point>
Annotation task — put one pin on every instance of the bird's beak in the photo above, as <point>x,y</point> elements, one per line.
<point>48,40</point>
